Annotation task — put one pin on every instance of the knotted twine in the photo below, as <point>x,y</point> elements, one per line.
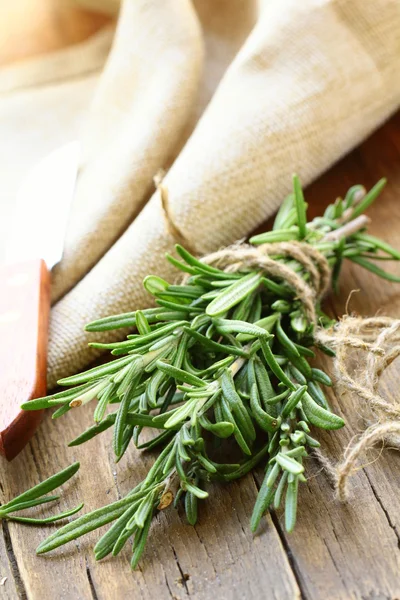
<point>378,337</point>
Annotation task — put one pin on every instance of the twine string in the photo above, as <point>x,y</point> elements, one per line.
<point>264,257</point>
<point>382,417</point>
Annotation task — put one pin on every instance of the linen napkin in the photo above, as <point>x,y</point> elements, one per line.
<point>231,97</point>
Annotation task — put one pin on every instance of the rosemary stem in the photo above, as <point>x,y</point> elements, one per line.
<point>348,229</point>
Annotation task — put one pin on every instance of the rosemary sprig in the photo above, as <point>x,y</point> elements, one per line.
<point>223,355</point>
<point>36,496</point>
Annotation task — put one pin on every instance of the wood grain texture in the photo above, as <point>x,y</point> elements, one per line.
<point>336,552</point>
<point>24,325</point>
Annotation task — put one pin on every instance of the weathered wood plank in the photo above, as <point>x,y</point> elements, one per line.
<point>10,586</point>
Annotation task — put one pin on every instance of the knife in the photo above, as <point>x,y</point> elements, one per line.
<point>35,245</point>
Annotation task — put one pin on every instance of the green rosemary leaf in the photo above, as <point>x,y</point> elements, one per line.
<point>282,306</point>
<point>274,366</point>
<point>126,438</point>
<point>264,385</point>
<point>180,375</point>
<point>86,523</point>
<point>91,432</point>
<point>61,411</point>
<point>377,243</point>
<point>280,489</point>
<point>63,397</point>
<point>202,267</point>
<point>236,405</point>
<point>278,289</point>
<point>46,486</point>
<point>296,375</point>
<point>304,351</point>
<point>28,504</point>
<point>179,265</point>
<point>264,420</point>
<point>191,508</point>
<point>96,372</point>
<point>325,349</point>
<point>300,207</point>
<point>312,442</point>
<point>139,341</point>
<point>140,542</point>
<point>123,538</point>
<point>121,321</point>
<point>233,294</point>
<point>214,346</point>
<point>196,491</point>
<point>180,414</point>
<point>107,542</point>
<point>299,362</point>
<point>267,323</point>
<point>207,464</point>
<point>144,510</point>
<point>369,198</point>
<point>156,441</point>
<point>283,212</point>
<point>289,464</point>
<point>171,315</point>
<point>186,308</point>
<point>299,323</point>
<point>319,416</point>
<point>321,377</point>
<point>46,520</point>
<point>103,402</point>
<point>222,429</point>
<point>154,284</point>
<point>187,291</point>
<point>317,394</point>
<point>231,326</point>
<point>283,235</point>
<point>228,416</point>
<point>293,400</point>
<point>366,264</point>
<point>264,499</point>
<point>354,194</point>
<point>291,505</point>
<point>120,421</point>
<point>278,398</point>
<point>273,475</point>
<point>284,340</point>
<point>142,323</point>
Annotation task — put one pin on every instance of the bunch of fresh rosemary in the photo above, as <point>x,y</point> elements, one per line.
<point>225,354</point>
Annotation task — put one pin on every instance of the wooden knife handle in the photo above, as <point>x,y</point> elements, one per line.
<point>24,323</point>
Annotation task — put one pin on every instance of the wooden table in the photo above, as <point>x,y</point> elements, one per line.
<point>336,552</point>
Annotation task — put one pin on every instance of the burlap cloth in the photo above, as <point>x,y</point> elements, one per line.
<point>231,95</point>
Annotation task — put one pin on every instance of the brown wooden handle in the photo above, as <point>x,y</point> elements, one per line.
<point>24,318</point>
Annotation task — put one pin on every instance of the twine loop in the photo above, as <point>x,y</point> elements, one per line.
<point>239,257</point>
<point>379,339</point>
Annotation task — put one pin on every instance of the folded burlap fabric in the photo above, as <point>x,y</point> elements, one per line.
<point>291,86</point>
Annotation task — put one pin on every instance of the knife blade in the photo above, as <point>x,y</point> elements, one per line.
<point>34,246</point>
